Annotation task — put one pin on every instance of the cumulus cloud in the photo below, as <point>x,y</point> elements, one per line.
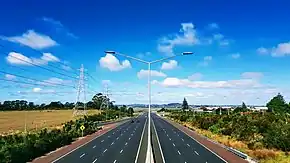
<point>282,49</point>
<point>106,82</point>
<point>144,74</point>
<point>20,59</point>
<point>195,76</point>
<point>113,64</point>
<point>235,55</point>
<point>172,64</point>
<point>252,75</point>
<point>9,77</point>
<point>187,36</point>
<point>32,39</point>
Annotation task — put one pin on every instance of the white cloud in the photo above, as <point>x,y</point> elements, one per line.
<point>142,55</point>
<point>36,89</point>
<point>252,75</point>
<point>282,49</point>
<point>262,50</point>
<point>235,55</point>
<point>32,39</point>
<point>66,67</point>
<point>205,61</point>
<point>213,26</point>
<point>144,74</point>
<point>187,36</point>
<point>55,81</point>
<point>172,64</point>
<point>113,64</point>
<point>195,76</point>
<point>241,83</point>
<point>10,77</point>
<point>20,59</point>
<point>49,57</point>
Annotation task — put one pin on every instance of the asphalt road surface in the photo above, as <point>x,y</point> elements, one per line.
<point>119,145</point>
<point>177,147</point>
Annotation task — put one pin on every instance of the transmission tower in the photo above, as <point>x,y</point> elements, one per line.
<point>80,104</point>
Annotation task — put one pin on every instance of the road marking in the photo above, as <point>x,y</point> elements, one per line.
<point>94,146</point>
<point>188,145</point>
<point>179,153</point>
<point>196,152</point>
<point>121,151</point>
<point>82,155</point>
<point>173,144</point>
<point>121,134</point>
<point>142,135</point>
<point>131,134</point>
<point>95,160</point>
<point>117,138</point>
<point>112,143</point>
<point>182,139</point>
<point>167,135</point>
<point>177,134</point>
<point>104,150</point>
<point>113,133</point>
<point>102,141</point>
<point>159,142</point>
<point>126,143</point>
<point>129,138</point>
<point>115,161</point>
<point>170,139</point>
<point>109,136</point>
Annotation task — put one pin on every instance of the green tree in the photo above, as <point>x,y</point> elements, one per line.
<point>278,105</point>
<point>130,111</point>
<point>101,101</point>
<point>123,108</point>
<point>184,105</point>
<point>243,108</point>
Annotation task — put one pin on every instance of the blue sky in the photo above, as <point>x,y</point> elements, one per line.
<point>241,50</point>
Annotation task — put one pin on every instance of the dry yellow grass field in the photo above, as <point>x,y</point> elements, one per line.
<point>14,121</point>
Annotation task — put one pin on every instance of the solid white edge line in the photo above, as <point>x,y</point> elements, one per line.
<point>158,141</point>
<point>200,143</point>
<point>85,143</point>
<point>137,155</point>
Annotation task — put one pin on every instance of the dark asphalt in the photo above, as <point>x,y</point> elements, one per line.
<point>119,145</point>
<point>178,147</point>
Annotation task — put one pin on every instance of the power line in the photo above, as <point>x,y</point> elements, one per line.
<point>3,72</point>
<point>21,82</point>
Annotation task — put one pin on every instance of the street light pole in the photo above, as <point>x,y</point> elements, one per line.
<point>149,88</point>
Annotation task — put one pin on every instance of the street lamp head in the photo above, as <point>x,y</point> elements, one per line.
<point>187,53</point>
<point>110,52</point>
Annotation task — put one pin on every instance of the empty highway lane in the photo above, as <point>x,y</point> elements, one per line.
<point>178,147</point>
<point>120,145</point>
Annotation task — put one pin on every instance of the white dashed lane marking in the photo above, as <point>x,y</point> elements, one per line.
<point>179,153</point>
<point>173,144</point>
<point>94,146</point>
<point>121,151</point>
<point>102,141</point>
<point>95,160</point>
<point>105,150</point>
<point>82,155</point>
<point>115,161</point>
<point>112,143</point>
<point>196,152</point>
<point>182,139</point>
<point>126,143</point>
<point>188,145</point>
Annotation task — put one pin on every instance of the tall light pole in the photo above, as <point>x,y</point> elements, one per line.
<point>149,63</point>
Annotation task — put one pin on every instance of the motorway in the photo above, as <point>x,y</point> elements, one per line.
<point>177,147</point>
<point>120,145</point>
